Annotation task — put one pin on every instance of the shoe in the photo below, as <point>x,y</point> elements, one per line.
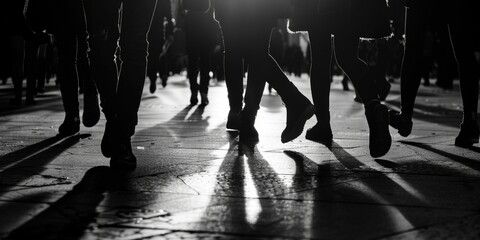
<point>401,122</point>
<point>345,84</point>
<point>233,120</point>
<point>15,102</point>
<point>321,133</point>
<point>469,134</point>
<point>204,98</point>
<point>296,119</point>
<point>91,111</point>
<point>123,158</point>
<point>194,98</point>
<point>70,126</point>
<point>153,86</point>
<point>379,137</point>
<point>108,143</point>
<point>248,133</point>
<point>383,87</point>
<point>357,99</point>
<point>164,81</point>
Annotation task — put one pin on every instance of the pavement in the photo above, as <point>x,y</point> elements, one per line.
<point>194,180</point>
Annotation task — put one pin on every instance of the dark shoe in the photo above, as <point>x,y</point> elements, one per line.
<point>469,134</point>
<point>204,98</point>
<point>153,86</point>
<point>123,158</point>
<point>296,119</point>
<point>321,134</point>
<point>401,122</point>
<point>109,139</point>
<point>164,81</point>
<point>345,84</point>
<point>70,126</point>
<point>91,111</point>
<point>233,121</point>
<point>357,99</point>
<point>383,88</point>
<point>15,102</point>
<point>379,137</point>
<point>248,133</point>
<point>194,98</point>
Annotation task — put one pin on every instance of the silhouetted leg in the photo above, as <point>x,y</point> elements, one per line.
<point>416,20</point>
<point>136,18</point>
<point>321,52</point>
<point>192,73</point>
<point>461,30</point>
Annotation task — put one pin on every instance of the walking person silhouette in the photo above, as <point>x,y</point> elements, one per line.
<point>247,26</point>
<point>120,90</point>
<point>340,18</point>
<point>459,18</point>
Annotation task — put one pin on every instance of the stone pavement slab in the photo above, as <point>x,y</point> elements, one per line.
<point>196,181</point>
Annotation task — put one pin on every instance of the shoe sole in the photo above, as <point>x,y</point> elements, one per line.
<point>382,133</point>
<point>297,128</point>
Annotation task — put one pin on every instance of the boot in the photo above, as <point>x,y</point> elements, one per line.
<point>469,134</point>
<point>248,133</point>
<point>297,116</point>
<point>123,158</point>
<point>91,110</point>
<point>70,125</point>
<point>402,122</point>
<point>321,132</point>
<point>379,137</point>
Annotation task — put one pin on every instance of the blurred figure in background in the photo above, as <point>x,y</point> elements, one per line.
<point>200,33</point>
<point>159,39</point>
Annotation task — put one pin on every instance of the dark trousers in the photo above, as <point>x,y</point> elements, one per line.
<point>251,43</point>
<point>70,36</point>
<point>461,28</point>
<point>199,62</point>
<point>120,91</point>
<point>345,49</point>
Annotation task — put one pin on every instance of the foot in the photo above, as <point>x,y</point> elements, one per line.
<point>469,134</point>
<point>194,98</point>
<point>91,111</point>
<point>401,122</point>
<point>108,145</point>
<point>233,120</point>
<point>153,86</point>
<point>164,81</point>
<point>123,158</point>
<point>379,137</point>
<point>204,98</point>
<point>70,126</point>
<point>345,85</point>
<point>296,119</point>
<point>321,133</point>
<point>357,99</point>
<point>248,133</point>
